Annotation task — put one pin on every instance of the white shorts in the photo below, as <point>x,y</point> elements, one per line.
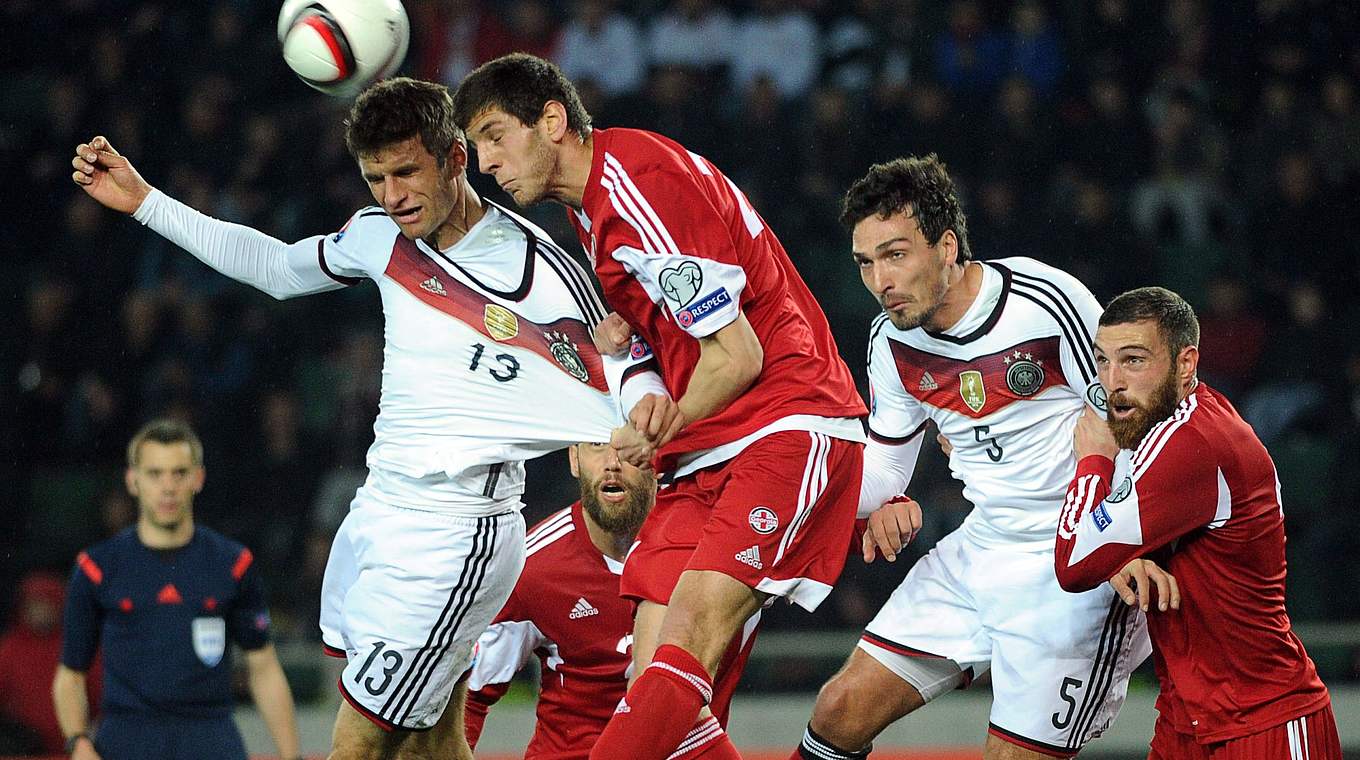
<point>1060,662</point>
<point>406,594</point>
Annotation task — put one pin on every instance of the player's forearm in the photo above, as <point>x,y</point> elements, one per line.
<point>274,700</point>
<point>887,472</point>
<point>70,701</point>
<point>729,362</point>
<point>1078,536</point>
<point>239,252</point>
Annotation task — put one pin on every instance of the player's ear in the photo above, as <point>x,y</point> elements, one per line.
<point>130,479</point>
<point>457,158</point>
<point>949,246</point>
<point>199,477</point>
<point>554,120</point>
<point>1187,363</point>
<point>573,458</point>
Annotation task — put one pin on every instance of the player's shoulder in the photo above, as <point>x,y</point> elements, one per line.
<point>219,545</point>
<point>879,330</point>
<point>1194,432</point>
<point>107,552</point>
<point>1032,274</point>
<point>522,224</point>
<point>549,535</point>
<point>369,220</point>
<point>638,155</point>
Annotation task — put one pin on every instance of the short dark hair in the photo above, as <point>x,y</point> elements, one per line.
<point>165,431</point>
<point>520,85</point>
<point>1175,318</point>
<point>395,110</point>
<point>921,184</point>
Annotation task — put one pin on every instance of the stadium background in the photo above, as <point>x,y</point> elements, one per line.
<point>1211,146</point>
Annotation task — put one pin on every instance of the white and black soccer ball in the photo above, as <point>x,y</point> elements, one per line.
<point>342,46</point>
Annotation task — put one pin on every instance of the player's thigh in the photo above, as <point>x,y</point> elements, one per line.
<point>861,700</point>
<point>929,632</point>
<point>782,513</point>
<point>998,748</point>
<point>342,570</point>
<point>1060,662</point>
<point>428,586</point>
<point>707,610</point>
<point>355,737</point>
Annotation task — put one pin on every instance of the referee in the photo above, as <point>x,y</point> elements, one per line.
<point>163,600</point>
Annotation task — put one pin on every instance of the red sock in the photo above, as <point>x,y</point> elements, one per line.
<point>706,741</point>
<point>659,710</point>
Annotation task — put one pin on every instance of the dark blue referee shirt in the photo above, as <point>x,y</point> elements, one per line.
<point>164,618</point>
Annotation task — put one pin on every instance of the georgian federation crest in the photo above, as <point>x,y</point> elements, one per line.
<point>501,323</point>
<point>568,355</point>
<point>972,390</point>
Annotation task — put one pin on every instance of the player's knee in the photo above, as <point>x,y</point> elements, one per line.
<point>841,711</point>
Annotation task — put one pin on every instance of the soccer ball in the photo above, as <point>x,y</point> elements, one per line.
<point>342,46</point>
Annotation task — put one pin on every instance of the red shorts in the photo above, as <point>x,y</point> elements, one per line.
<point>1311,737</point>
<point>778,517</point>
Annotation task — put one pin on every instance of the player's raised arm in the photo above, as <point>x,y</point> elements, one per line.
<point>239,252</point>
<point>1104,527</point>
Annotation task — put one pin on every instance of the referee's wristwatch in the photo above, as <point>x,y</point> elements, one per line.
<point>72,741</point>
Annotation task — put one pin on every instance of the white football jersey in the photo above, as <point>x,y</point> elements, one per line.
<point>478,374</point>
<point>1005,385</point>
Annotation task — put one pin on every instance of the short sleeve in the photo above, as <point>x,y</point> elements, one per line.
<point>667,234</point>
<point>82,616</point>
<point>248,619</point>
<point>895,416</point>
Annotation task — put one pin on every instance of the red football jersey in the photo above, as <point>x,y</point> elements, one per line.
<point>1200,497</point>
<point>681,253</point>
<point>565,610</point>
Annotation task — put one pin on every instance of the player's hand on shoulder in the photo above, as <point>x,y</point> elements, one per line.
<point>1143,582</point>
<point>1092,436</point>
<point>891,527</point>
<point>107,176</point>
<point>612,335</point>
<point>945,445</point>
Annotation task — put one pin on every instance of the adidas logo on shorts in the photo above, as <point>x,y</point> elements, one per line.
<point>750,557</point>
<point>582,609</point>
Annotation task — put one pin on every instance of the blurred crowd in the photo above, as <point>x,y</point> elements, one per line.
<point>1211,146</point>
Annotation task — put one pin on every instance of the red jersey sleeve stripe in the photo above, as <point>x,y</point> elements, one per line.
<point>242,562</point>
<point>624,207</point>
<point>89,568</point>
<point>1155,442</point>
<point>629,188</point>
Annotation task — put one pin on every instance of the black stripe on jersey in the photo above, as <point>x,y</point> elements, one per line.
<point>1102,669</point>
<point>894,441</point>
<point>321,259</point>
<point>576,281</point>
<point>875,328</point>
<point>992,319</point>
<point>1045,302</point>
<point>459,600</point>
<point>491,478</point>
<point>644,366</point>
<point>455,623</point>
<point>374,212</point>
<point>525,283</point>
<point>1069,312</point>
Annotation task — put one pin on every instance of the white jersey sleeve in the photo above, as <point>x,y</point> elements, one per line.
<point>897,423</point>
<point>502,650</point>
<point>239,252</point>
<point>633,375</point>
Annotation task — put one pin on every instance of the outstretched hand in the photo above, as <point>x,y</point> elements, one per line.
<point>107,176</point>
